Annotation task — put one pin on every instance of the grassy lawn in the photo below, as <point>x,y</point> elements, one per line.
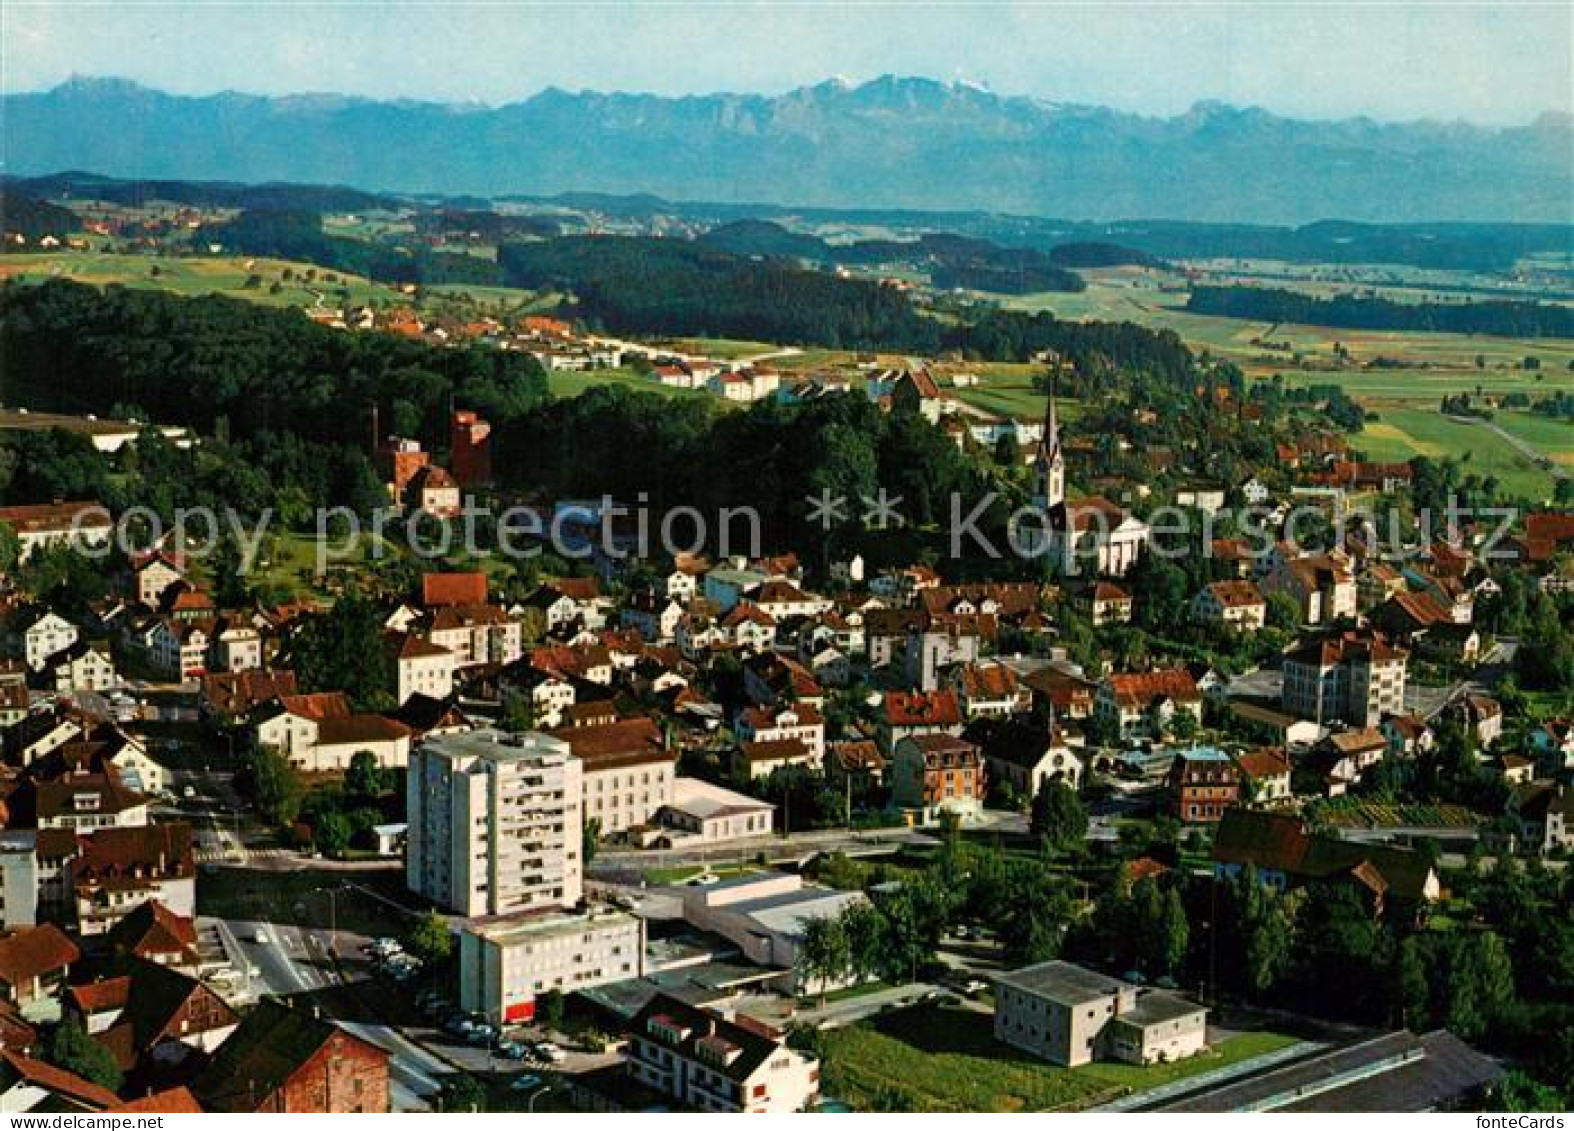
<point>503,300</point>
<point>289,559</point>
<point>659,877</point>
<point>723,349</point>
<point>1401,433</point>
<point>937,1058</point>
<point>848,993</point>
<point>1016,399</point>
<point>562,383</point>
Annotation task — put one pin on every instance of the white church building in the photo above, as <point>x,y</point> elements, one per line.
<point>1089,535</point>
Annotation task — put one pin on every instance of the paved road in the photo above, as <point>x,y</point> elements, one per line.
<point>854,1009</point>
<point>295,960</point>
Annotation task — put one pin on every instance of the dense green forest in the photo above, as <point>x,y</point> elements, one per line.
<point>1096,253</point>
<point>296,234</point>
<point>650,286</point>
<point>654,286</point>
<point>285,409</point>
<point>220,364</point>
<point>770,457</point>
<point>33,219</point>
<point>286,405</point>
<point>1368,312</point>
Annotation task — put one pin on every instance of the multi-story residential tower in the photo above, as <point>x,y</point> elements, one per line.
<point>495,823</point>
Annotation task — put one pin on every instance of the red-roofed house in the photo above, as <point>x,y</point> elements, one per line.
<point>84,525</point>
<point>1107,603</point>
<point>761,759</point>
<point>117,870</point>
<point>433,491</point>
<point>1237,604</point>
<point>626,772</point>
<point>320,732</point>
<point>792,720</point>
<point>31,1085</point>
<point>157,934</point>
<point>440,589</point>
<point>909,713</point>
<point>34,964</point>
<point>988,690</point>
<point>1146,702</point>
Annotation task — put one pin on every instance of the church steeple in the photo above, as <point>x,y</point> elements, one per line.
<point>1049,467</point>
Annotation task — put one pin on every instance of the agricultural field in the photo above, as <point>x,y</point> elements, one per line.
<point>226,275</point>
<point>1015,398</point>
<point>1553,438</point>
<point>940,1059</point>
<point>1157,299</point>
<point>489,300</point>
<point>1402,433</point>
<point>268,282</point>
<point>1360,813</point>
<point>368,225</point>
<point>1392,281</point>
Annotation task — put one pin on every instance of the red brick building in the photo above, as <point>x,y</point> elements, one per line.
<point>470,448</point>
<point>1203,784</point>
<point>399,459</point>
<point>286,1060</point>
<point>935,772</point>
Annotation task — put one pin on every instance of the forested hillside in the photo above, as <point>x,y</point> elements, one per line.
<point>1368,312</point>
<point>294,234</point>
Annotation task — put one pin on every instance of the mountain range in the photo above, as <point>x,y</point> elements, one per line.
<point>908,143</point>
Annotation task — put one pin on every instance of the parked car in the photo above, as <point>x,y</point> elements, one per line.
<point>551,1053</point>
<point>526,1082</point>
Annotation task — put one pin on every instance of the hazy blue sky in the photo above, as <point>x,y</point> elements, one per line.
<point>1500,63</point>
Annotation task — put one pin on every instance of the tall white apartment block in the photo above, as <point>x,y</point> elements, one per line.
<point>495,823</point>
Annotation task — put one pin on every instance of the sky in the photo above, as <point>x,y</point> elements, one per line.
<point>1498,64</point>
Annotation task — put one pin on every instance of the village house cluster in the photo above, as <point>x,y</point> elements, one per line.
<point>670,710</point>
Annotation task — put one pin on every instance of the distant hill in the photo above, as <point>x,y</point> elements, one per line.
<point>1101,255</point>
<point>950,260</point>
<point>32,219</point>
<point>891,143</point>
<point>212,194</point>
